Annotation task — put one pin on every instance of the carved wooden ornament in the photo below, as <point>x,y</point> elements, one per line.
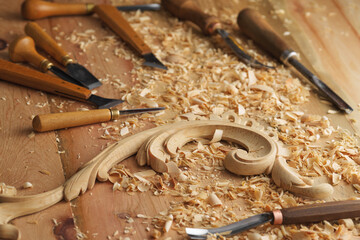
<point>155,147</point>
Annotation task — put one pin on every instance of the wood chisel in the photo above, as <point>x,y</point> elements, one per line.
<point>189,10</point>
<point>21,75</point>
<point>254,26</point>
<point>113,19</point>
<point>36,9</point>
<point>295,215</point>
<point>23,49</point>
<point>55,121</point>
<point>48,44</point>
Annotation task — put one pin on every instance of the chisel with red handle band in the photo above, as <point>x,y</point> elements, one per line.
<point>295,215</point>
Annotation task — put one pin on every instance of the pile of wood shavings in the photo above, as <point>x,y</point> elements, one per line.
<point>205,78</point>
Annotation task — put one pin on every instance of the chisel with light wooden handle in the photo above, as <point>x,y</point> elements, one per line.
<point>254,26</point>
<point>36,9</point>
<point>295,215</point>
<point>55,121</point>
<point>209,24</point>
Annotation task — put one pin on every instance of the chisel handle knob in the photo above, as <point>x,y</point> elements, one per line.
<point>54,121</point>
<point>189,10</point>
<point>319,212</point>
<point>35,9</point>
<point>23,49</point>
<point>47,43</point>
<point>254,26</point>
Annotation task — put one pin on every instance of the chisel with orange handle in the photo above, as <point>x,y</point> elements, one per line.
<point>36,9</point>
<point>23,49</point>
<point>254,26</point>
<point>48,44</point>
<point>210,25</point>
<point>21,75</point>
<point>55,121</point>
<point>295,215</point>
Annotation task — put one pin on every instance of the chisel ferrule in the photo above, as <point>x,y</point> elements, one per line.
<point>115,114</point>
<point>66,60</point>
<point>278,217</point>
<point>45,65</point>
<point>287,54</point>
<point>90,7</point>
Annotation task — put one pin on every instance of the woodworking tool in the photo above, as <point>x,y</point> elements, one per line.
<point>295,215</point>
<point>23,49</point>
<point>254,26</point>
<point>48,44</point>
<point>55,121</point>
<point>18,74</point>
<point>35,9</point>
<point>210,25</point>
<point>113,19</point>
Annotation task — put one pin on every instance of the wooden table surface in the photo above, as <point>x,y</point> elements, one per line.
<point>326,33</point>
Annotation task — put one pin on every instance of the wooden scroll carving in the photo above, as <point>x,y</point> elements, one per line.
<point>261,152</point>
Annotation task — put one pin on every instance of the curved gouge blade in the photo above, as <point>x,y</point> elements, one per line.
<point>238,50</point>
<point>142,7</point>
<point>232,229</point>
<point>81,74</point>
<point>152,61</point>
<point>102,102</point>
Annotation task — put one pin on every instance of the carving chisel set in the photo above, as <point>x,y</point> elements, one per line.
<point>74,81</point>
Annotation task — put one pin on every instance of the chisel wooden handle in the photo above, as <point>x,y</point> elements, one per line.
<point>23,49</point>
<point>35,9</point>
<point>113,19</point>
<point>254,26</point>
<point>322,211</point>
<point>54,121</point>
<point>15,73</point>
<point>47,43</point>
<point>189,10</point>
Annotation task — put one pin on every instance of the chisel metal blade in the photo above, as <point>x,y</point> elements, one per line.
<point>232,229</point>
<point>238,50</point>
<point>81,74</point>
<point>321,86</point>
<point>141,7</point>
<point>102,102</point>
<point>63,75</point>
<point>152,61</point>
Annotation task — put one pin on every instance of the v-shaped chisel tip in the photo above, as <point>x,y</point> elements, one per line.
<point>152,61</point>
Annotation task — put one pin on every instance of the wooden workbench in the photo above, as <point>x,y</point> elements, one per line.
<point>326,33</point>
